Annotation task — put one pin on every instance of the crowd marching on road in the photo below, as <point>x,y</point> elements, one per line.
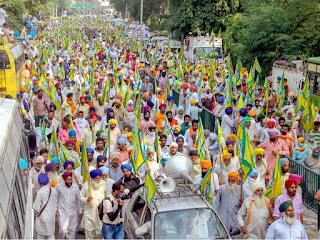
<point>103,127</point>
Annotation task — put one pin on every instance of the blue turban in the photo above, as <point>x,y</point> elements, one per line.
<point>56,160</point>
<point>126,166</point>
<point>90,150</point>
<point>286,101</point>
<point>34,88</point>
<point>104,170</point>
<point>221,99</point>
<point>19,95</point>
<point>23,164</point>
<point>43,179</point>
<point>147,77</point>
<point>122,141</point>
<point>86,88</point>
<point>257,92</point>
<point>72,133</point>
<point>66,163</point>
<point>243,112</point>
<point>170,98</point>
<point>283,161</point>
<point>67,81</point>
<point>168,112</point>
<point>50,166</point>
<point>228,110</point>
<point>101,158</point>
<point>95,173</point>
<point>279,78</point>
<point>180,108</point>
<point>254,172</point>
<point>178,138</point>
<point>164,160</point>
<point>229,142</point>
<point>150,103</point>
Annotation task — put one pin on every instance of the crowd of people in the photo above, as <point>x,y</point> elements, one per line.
<point>86,99</point>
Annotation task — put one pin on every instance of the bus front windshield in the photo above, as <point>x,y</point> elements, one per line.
<point>187,224</point>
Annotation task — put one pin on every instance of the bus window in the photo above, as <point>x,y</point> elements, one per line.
<point>4,60</point>
<point>18,57</point>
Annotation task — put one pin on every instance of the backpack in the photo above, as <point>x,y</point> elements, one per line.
<point>100,207</point>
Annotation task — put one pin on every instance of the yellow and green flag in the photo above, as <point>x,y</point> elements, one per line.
<point>55,98</point>
<point>137,158</point>
<point>202,150</point>
<point>149,188</point>
<point>53,146</point>
<point>256,66</point>
<point>84,163</point>
<point>274,187</point>
<point>205,186</point>
<point>44,85</point>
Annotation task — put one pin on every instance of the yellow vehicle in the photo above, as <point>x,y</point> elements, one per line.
<point>64,18</point>
<point>47,18</point>
<point>12,64</point>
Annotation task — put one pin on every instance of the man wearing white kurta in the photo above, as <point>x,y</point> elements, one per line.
<point>227,203</point>
<point>205,167</point>
<point>91,221</point>
<point>256,210</point>
<point>287,227</point>
<point>227,124</point>
<point>45,206</point>
<point>70,209</point>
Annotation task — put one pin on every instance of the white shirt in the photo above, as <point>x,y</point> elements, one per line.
<point>281,230</point>
<point>226,125</point>
<point>3,16</point>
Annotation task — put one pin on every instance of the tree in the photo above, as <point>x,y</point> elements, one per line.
<point>18,9</point>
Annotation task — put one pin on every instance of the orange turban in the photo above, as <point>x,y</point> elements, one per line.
<point>234,175</point>
<point>206,163</point>
<point>232,137</point>
<point>226,155</point>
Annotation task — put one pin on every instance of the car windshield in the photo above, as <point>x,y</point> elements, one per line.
<point>186,224</point>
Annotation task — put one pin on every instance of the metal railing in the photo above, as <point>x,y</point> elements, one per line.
<point>207,117</point>
<point>310,184</point>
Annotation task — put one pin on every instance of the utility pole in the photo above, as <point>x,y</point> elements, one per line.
<point>141,14</point>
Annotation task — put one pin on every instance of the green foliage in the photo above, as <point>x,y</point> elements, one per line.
<point>18,9</point>
<point>270,29</point>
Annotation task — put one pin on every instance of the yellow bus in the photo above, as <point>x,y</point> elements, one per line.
<point>12,62</point>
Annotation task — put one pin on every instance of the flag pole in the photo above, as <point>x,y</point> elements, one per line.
<point>220,162</point>
<point>89,185</point>
<point>212,173</point>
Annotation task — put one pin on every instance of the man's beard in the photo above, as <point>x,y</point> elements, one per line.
<point>180,115</point>
<point>96,185</point>
<point>68,184</point>
<point>170,119</point>
<point>258,162</point>
<point>232,152</point>
<point>180,147</point>
<point>289,219</point>
<point>146,118</point>
<point>231,187</point>
<point>259,201</point>
<point>226,167</point>
<point>176,134</point>
<point>173,152</point>
<point>53,177</point>
<point>37,168</point>
<point>99,148</point>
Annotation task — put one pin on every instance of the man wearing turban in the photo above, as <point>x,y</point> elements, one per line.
<point>205,167</point>
<point>69,154</point>
<point>180,115</point>
<point>91,200</point>
<point>51,170</point>
<point>255,213</point>
<point>114,132</point>
<point>227,203</point>
<point>89,133</point>
<point>227,124</point>
<point>291,186</point>
<point>36,170</point>
<point>287,226</point>
<point>226,167</point>
<point>260,162</point>
<point>115,168</point>
<point>272,147</point>
<point>284,173</point>
<point>83,107</point>
<point>176,133</point>
<point>45,217</point>
<point>109,182</point>
<point>70,208</point>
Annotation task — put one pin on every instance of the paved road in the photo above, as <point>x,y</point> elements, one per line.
<point>310,222</point>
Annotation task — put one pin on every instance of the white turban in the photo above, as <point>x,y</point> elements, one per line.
<point>256,185</point>
<point>213,136</point>
<point>173,144</point>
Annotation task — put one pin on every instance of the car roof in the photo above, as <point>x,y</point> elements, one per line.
<point>179,203</point>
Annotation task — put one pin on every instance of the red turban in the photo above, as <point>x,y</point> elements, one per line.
<point>162,105</point>
<point>83,97</point>
<point>94,115</point>
<point>93,121</point>
<point>271,124</point>
<point>185,85</point>
<point>57,85</point>
<point>289,182</point>
<point>193,88</point>
<point>69,141</point>
<point>65,175</point>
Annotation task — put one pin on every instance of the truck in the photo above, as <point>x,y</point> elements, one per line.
<point>206,45</point>
<point>32,30</point>
<point>16,214</point>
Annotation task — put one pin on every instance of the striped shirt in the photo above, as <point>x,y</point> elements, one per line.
<point>316,137</point>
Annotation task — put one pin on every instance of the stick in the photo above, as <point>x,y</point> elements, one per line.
<point>241,188</point>
<point>220,162</point>
<point>89,185</point>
